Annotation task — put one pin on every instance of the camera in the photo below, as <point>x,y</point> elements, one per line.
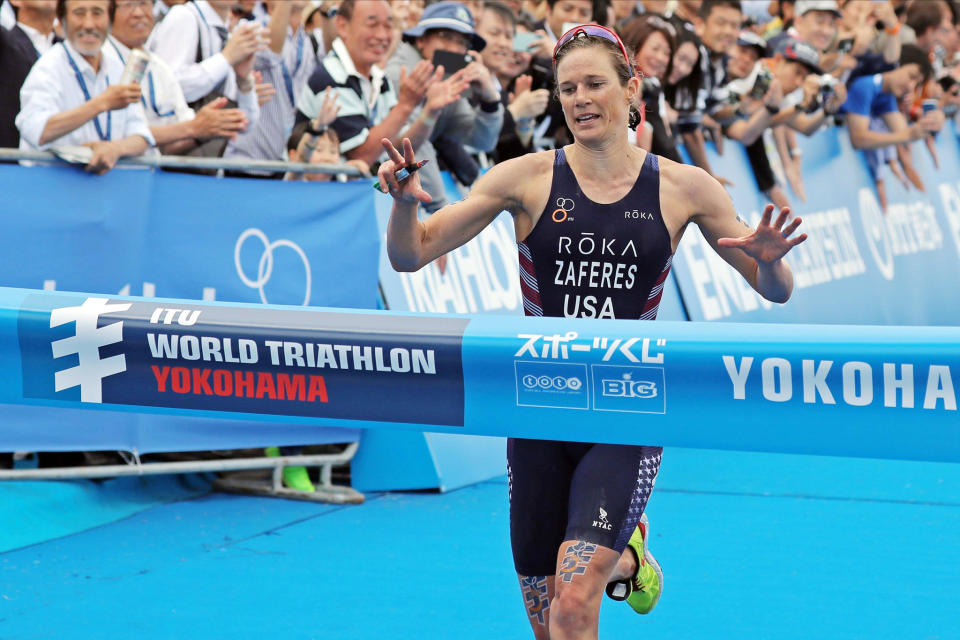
<point>451,62</point>
<point>827,88</point>
<point>650,88</point>
<point>762,84</point>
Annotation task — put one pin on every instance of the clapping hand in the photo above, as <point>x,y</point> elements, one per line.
<point>527,104</point>
<point>413,85</point>
<point>445,92</point>
<point>213,120</point>
<point>769,242</point>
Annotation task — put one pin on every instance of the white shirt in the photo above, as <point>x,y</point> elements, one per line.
<point>162,99</point>
<point>185,28</point>
<point>7,17</point>
<point>52,87</point>
<point>160,10</point>
<point>41,41</point>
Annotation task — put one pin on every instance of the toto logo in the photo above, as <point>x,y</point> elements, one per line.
<point>265,264</point>
<point>552,383</point>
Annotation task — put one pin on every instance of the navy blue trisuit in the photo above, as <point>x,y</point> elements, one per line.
<point>572,490</point>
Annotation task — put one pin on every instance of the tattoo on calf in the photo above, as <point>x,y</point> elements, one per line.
<point>743,222</point>
<point>576,559</point>
<point>535,594</point>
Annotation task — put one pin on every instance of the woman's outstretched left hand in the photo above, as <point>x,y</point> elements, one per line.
<point>771,240</point>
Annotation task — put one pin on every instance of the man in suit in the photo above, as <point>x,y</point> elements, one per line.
<point>20,47</point>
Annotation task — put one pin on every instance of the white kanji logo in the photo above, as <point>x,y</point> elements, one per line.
<point>91,369</point>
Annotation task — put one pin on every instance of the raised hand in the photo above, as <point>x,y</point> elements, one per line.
<point>523,83</point>
<point>770,241</point>
<point>525,105</point>
<point>118,96</point>
<point>328,109</point>
<point>481,79</point>
<point>245,41</point>
<point>410,189</point>
<point>414,85</point>
<point>265,90</point>
<point>445,92</point>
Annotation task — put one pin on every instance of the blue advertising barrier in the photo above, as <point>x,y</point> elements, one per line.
<point>828,390</point>
<point>194,237</point>
<point>860,264</point>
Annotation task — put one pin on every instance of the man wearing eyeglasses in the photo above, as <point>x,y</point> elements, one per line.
<point>175,126</point>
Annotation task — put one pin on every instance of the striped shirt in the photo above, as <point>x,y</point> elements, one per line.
<point>288,73</point>
<point>364,102</point>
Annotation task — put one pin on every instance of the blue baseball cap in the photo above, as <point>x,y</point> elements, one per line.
<point>446,15</point>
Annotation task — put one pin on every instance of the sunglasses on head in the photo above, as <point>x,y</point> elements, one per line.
<point>593,30</point>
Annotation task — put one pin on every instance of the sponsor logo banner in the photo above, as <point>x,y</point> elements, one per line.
<point>552,384</point>
<point>862,263</point>
<point>635,389</point>
<point>219,358</point>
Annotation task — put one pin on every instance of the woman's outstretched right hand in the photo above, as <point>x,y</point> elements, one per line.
<point>408,190</point>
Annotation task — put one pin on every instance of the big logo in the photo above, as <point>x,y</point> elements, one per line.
<point>631,389</point>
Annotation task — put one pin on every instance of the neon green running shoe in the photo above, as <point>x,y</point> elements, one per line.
<point>297,478</point>
<point>293,477</point>
<point>643,590</point>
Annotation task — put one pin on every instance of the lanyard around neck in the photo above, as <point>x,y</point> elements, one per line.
<point>287,76</point>
<point>153,89</point>
<point>86,95</point>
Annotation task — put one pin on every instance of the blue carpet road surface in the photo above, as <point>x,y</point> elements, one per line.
<point>752,546</point>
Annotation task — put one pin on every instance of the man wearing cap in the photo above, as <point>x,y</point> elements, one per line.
<point>815,22</point>
<point>475,119</point>
<point>755,111</point>
<point>797,68</point>
<point>371,106</point>
<point>877,96</point>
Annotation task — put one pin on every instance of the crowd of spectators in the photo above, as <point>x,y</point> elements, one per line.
<point>471,82</point>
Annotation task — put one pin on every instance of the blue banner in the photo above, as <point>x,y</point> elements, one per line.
<point>816,389</point>
<point>861,264</point>
<point>193,237</point>
<point>183,236</point>
<point>480,277</point>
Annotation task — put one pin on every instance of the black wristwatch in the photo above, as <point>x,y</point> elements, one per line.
<point>771,110</point>
<point>316,132</point>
